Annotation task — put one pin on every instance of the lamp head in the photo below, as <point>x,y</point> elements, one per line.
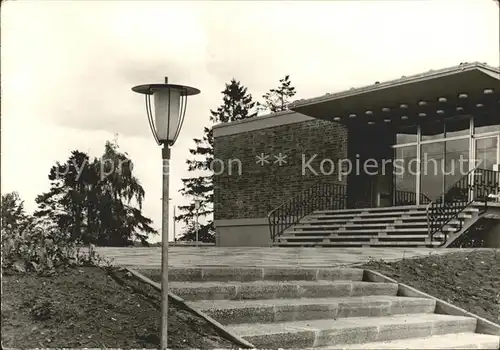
<point>170,102</point>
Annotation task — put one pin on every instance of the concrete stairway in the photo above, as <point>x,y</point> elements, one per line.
<point>322,308</point>
<point>404,226</point>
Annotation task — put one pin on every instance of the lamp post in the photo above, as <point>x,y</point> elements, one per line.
<point>170,102</point>
<point>175,232</point>
<point>197,203</point>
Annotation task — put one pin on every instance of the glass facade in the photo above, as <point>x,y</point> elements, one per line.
<point>487,152</point>
<point>407,135</point>
<point>405,174</point>
<point>433,157</point>
<point>456,162</point>
<point>432,131</point>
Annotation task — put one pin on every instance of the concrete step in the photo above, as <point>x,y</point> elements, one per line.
<point>275,290</point>
<point>406,224</point>
<point>409,217</point>
<point>461,216</point>
<point>398,219</point>
<point>334,237</point>
<point>399,243</point>
<point>365,214</point>
<point>352,330</point>
<point>441,341</point>
<point>308,226</point>
<point>391,219</point>
<point>384,211</point>
<point>380,209</point>
<point>375,233</point>
<point>359,223</point>
<point>286,310</point>
<point>361,231</point>
<point>353,233</point>
<point>226,274</point>
<point>313,220</point>
<point>387,230</point>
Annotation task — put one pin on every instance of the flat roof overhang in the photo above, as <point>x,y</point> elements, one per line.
<point>468,89</point>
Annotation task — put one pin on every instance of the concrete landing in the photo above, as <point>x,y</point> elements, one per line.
<point>259,256</point>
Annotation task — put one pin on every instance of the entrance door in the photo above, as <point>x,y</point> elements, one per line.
<point>360,191</point>
<point>383,186</point>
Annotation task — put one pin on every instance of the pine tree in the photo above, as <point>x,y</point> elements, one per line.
<point>277,100</point>
<point>237,104</point>
<point>64,203</point>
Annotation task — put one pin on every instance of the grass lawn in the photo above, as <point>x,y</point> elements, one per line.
<point>94,308</point>
<point>468,280</point>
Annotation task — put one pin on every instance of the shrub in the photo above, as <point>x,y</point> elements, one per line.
<point>40,246</point>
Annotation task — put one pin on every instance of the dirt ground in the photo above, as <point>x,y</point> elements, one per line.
<point>468,280</point>
<point>94,308</point>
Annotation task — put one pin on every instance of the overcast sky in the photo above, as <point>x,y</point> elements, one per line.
<point>67,67</point>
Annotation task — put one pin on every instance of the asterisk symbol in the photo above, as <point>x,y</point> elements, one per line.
<point>280,159</point>
<point>262,159</point>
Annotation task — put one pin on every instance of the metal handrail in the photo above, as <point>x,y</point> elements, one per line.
<point>471,188</point>
<point>423,198</point>
<point>318,196</point>
<point>288,199</point>
<point>435,202</point>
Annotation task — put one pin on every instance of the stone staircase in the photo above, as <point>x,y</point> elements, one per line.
<point>322,309</point>
<point>404,226</point>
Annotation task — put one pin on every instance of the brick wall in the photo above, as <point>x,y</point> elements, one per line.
<point>257,189</point>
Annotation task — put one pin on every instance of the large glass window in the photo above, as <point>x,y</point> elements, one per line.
<point>444,155</point>
<point>405,175</point>
<point>407,135</point>
<point>456,161</point>
<point>487,122</point>
<point>487,152</point>
<point>486,128</point>
<point>433,130</point>
<point>432,156</point>
<point>457,127</point>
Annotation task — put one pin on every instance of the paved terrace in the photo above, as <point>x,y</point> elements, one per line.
<point>261,257</point>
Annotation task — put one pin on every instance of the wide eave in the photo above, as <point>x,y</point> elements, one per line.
<point>413,99</point>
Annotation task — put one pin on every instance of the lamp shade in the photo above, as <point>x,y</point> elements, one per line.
<point>170,102</point>
<point>167,116</point>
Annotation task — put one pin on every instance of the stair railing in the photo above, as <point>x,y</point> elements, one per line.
<point>319,196</point>
<point>404,197</point>
<point>449,205</point>
<point>476,185</point>
<point>424,199</point>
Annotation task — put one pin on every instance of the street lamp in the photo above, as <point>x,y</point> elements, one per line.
<point>197,203</point>
<point>170,102</point>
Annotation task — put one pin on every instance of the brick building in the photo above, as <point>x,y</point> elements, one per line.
<point>341,152</point>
